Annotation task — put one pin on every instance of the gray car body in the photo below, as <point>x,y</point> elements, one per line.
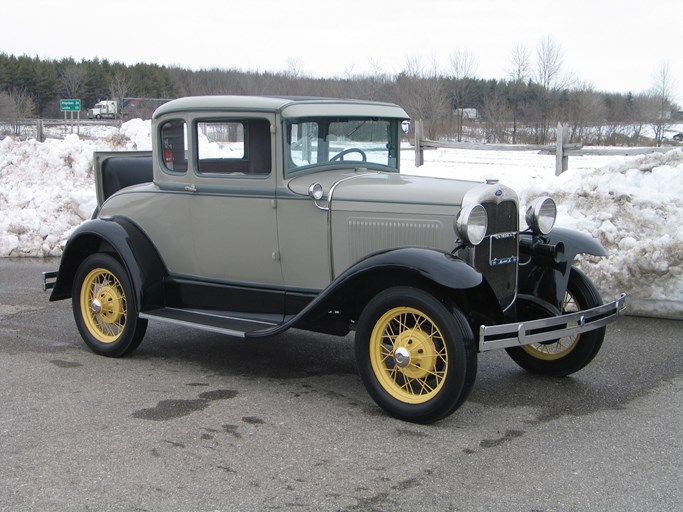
<point>247,237</point>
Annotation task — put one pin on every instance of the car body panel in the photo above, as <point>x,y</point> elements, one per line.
<point>242,235</point>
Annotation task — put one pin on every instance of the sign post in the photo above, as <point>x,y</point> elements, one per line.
<point>71,106</point>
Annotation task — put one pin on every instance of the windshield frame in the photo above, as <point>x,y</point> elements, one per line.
<point>327,137</point>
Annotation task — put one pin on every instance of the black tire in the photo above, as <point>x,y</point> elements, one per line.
<point>104,307</point>
<point>564,356</point>
<point>416,355</point>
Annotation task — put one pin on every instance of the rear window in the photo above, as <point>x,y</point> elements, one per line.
<point>174,146</point>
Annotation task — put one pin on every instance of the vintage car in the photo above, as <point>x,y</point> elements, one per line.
<point>253,215</point>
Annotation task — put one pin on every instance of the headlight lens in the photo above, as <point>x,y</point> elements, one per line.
<point>541,215</point>
<point>471,224</point>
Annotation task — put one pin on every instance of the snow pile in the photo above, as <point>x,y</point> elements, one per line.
<point>47,189</point>
<point>634,205</point>
<point>139,133</point>
<point>635,209</point>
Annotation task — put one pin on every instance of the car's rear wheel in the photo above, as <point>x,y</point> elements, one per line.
<point>104,307</point>
<point>416,354</point>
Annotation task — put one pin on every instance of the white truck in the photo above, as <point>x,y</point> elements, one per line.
<point>104,109</point>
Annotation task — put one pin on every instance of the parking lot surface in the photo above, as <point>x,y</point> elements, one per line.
<point>195,421</point>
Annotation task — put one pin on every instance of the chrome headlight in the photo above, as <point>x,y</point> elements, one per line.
<point>541,215</point>
<point>471,224</point>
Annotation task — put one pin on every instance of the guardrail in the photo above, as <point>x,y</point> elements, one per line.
<point>37,128</point>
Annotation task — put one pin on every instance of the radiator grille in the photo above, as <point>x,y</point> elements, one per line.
<point>497,256</point>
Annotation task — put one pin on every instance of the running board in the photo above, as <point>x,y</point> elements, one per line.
<point>208,321</point>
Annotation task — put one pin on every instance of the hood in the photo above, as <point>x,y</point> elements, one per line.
<point>351,187</point>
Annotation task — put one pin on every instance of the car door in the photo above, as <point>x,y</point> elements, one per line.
<point>232,211</point>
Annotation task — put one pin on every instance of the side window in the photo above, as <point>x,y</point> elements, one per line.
<point>234,147</point>
<point>303,143</point>
<point>174,146</point>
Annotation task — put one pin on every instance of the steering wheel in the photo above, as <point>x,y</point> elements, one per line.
<point>340,155</point>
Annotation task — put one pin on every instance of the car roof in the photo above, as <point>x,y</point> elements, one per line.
<point>290,106</point>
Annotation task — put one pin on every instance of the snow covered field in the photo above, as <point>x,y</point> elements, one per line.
<point>633,205</point>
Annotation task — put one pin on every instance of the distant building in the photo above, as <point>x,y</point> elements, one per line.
<point>468,113</point>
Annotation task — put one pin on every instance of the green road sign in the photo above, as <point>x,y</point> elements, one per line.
<point>70,105</point>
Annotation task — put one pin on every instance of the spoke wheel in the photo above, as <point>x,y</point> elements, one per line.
<point>104,307</point>
<point>568,355</point>
<point>416,354</point>
<point>408,355</point>
<point>103,303</point>
<point>557,349</point>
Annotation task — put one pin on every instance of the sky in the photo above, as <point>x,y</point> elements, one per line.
<point>616,46</point>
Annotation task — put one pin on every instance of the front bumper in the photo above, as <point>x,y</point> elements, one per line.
<point>548,329</point>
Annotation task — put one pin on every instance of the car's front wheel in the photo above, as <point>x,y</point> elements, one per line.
<point>567,355</point>
<point>104,307</point>
<point>416,354</point>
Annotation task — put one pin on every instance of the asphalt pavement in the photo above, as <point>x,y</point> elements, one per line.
<point>195,421</point>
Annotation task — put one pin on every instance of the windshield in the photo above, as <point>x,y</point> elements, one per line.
<point>320,141</point>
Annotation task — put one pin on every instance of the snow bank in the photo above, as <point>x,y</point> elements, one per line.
<point>635,208</point>
<point>634,205</point>
<point>139,134</point>
<point>47,189</point>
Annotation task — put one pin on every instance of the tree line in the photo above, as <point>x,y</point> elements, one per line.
<point>523,107</point>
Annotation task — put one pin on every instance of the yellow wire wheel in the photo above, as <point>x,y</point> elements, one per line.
<point>554,350</point>
<point>570,354</point>
<point>408,355</point>
<point>416,354</point>
<point>103,305</point>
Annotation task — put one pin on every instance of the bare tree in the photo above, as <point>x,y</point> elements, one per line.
<point>15,105</point>
<point>549,62</point>
<point>518,74</point>
<point>635,117</point>
<point>72,76</point>
<point>496,113</point>
<point>407,88</point>
<point>585,109</point>
<point>549,77</point>
<point>520,64</point>
<point>424,94</point>
<point>295,69</point>
<point>119,88</point>
<point>464,69</point>
<point>661,92</point>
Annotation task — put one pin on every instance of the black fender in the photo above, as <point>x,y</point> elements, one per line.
<point>576,242</point>
<point>436,266</point>
<point>544,273</point>
<point>429,269</point>
<point>126,241</point>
